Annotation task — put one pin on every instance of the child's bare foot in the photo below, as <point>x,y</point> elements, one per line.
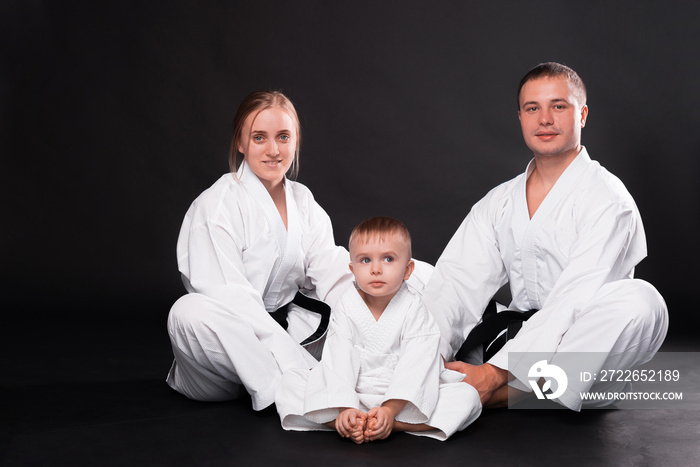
<point>368,429</point>
<point>350,424</point>
<point>358,432</point>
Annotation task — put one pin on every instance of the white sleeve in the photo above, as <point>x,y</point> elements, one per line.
<point>214,267</point>
<point>327,270</point>
<point>420,277</point>
<point>601,254</point>
<point>417,373</point>
<point>467,275</point>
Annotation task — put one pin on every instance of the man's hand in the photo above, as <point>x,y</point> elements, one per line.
<point>486,379</point>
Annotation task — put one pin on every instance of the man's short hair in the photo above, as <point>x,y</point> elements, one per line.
<point>554,70</point>
<point>378,227</point>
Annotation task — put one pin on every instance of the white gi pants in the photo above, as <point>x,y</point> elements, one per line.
<point>217,352</point>
<point>457,406</point>
<point>622,327</point>
<point>626,322</point>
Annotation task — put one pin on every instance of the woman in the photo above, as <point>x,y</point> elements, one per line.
<point>247,246</point>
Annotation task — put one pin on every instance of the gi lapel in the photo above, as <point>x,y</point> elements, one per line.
<point>274,221</point>
<point>566,183</point>
<point>379,333</point>
<point>290,254</point>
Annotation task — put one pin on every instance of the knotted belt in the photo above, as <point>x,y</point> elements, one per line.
<point>494,331</point>
<point>310,304</point>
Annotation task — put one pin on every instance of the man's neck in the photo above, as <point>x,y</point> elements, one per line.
<point>547,171</point>
<point>550,168</point>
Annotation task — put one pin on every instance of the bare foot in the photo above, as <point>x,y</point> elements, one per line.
<point>504,396</point>
<point>369,426</point>
<point>358,432</point>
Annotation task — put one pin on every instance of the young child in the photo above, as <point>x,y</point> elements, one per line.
<point>381,370</point>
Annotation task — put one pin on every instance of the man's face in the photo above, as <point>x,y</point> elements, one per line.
<point>551,116</point>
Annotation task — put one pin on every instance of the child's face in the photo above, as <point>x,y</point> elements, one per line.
<point>380,265</point>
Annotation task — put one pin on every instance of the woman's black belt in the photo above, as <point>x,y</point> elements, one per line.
<point>310,304</point>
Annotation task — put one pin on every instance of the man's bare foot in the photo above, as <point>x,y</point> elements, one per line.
<point>498,399</point>
<point>505,396</point>
<point>485,378</point>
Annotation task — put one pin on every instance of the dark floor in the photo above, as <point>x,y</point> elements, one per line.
<point>80,391</point>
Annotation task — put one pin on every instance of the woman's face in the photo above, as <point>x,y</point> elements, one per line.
<point>268,143</point>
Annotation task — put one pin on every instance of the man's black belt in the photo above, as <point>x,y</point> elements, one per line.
<point>310,304</point>
<point>494,331</point>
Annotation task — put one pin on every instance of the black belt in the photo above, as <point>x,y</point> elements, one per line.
<point>489,333</point>
<point>310,304</point>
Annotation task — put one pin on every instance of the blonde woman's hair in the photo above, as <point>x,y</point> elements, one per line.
<point>255,103</point>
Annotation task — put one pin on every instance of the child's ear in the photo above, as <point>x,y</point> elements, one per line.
<point>409,269</point>
<point>350,264</point>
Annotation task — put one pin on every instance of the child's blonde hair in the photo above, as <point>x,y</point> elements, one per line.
<point>378,227</point>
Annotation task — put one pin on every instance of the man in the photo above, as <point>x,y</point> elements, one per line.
<point>566,235</point>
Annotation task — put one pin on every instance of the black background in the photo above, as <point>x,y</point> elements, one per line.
<point>114,116</point>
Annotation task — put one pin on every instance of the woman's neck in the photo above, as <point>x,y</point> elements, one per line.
<point>278,195</point>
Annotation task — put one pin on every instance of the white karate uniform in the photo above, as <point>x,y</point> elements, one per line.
<point>574,261</point>
<point>367,362</point>
<point>238,263</point>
